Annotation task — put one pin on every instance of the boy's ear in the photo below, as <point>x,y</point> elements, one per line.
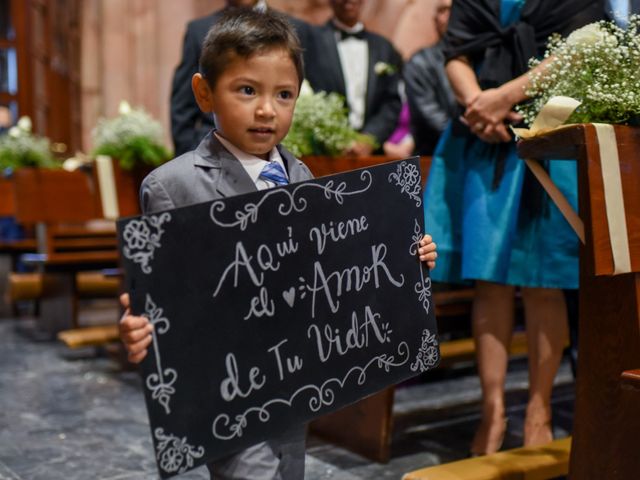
<point>202,92</point>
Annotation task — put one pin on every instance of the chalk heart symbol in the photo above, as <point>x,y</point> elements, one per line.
<point>289,296</point>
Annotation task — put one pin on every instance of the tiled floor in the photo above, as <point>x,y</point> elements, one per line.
<point>69,417</point>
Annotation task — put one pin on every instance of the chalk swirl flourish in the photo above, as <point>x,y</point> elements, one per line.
<point>291,201</point>
<point>320,395</point>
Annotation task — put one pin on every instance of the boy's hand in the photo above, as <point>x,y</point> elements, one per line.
<point>427,251</point>
<point>135,332</point>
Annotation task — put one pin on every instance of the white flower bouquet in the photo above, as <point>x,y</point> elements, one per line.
<point>19,147</point>
<point>320,125</point>
<point>598,65</point>
<point>133,138</point>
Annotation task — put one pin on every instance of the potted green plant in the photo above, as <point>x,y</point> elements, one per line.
<point>133,143</point>
<point>320,125</point>
<point>20,147</point>
<point>133,137</point>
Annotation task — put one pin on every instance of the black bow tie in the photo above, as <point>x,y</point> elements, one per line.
<point>344,35</point>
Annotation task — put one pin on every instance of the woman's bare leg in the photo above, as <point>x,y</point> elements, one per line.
<point>492,322</point>
<point>547,333</point>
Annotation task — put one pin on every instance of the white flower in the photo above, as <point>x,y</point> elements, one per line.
<point>14,132</point>
<point>590,35</point>
<point>597,65</point>
<point>305,89</point>
<point>124,108</point>
<point>383,68</point>
<point>24,124</point>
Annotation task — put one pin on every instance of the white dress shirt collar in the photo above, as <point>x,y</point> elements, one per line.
<point>358,27</point>
<point>252,164</point>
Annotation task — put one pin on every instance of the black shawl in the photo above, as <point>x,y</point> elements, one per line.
<point>475,32</point>
<point>503,53</point>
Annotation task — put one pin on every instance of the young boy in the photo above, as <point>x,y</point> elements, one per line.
<point>251,74</point>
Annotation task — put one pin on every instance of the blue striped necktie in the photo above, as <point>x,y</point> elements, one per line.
<point>273,172</point>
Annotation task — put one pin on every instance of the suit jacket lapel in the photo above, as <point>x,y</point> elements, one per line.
<point>329,51</point>
<point>372,77</point>
<point>233,179</point>
<point>295,171</point>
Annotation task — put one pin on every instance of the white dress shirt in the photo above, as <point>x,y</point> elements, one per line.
<point>354,59</point>
<point>252,164</point>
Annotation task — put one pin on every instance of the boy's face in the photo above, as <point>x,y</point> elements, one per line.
<point>253,100</point>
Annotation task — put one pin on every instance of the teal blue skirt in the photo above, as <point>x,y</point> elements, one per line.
<point>482,232</point>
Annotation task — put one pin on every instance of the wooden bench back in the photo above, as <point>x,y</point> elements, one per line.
<point>55,196</point>
<point>7,202</point>
<point>66,208</point>
<point>72,242</point>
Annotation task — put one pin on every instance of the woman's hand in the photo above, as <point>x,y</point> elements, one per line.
<point>487,113</point>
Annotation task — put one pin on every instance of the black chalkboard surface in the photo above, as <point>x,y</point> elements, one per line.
<point>278,306</point>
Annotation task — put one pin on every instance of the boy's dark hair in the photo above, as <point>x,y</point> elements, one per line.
<point>244,33</point>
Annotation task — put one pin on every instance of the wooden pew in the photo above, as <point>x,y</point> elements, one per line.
<point>12,248</point>
<point>8,209</point>
<point>606,424</point>
<point>64,207</point>
<point>526,463</point>
<point>7,203</point>
<point>30,286</point>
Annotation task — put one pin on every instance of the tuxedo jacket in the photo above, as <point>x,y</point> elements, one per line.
<point>324,72</point>
<point>188,124</point>
<point>208,173</point>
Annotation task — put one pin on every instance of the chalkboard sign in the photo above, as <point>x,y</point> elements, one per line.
<point>275,307</point>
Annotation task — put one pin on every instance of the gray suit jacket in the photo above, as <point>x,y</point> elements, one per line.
<point>208,173</point>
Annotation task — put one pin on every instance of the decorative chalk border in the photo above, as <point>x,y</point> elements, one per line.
<point>174,454</point>
<point>423,287</point>
<point>407,177</point>
<point>292,201</point>
<point>428,352</point>
<point>322,395</point>
<point>161,382</point>
<point>142,237</point>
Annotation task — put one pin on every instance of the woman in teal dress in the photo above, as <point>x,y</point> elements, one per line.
<point>493,223</point>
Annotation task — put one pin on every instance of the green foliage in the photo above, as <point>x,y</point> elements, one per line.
<point>133,138</point>
<point>599,65</point>
<point>135,151</point>
<point>321,126</point>
<point>21,148</point>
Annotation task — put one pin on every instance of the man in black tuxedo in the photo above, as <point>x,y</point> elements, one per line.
<point>188,124</point>
<point>345,58</point>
